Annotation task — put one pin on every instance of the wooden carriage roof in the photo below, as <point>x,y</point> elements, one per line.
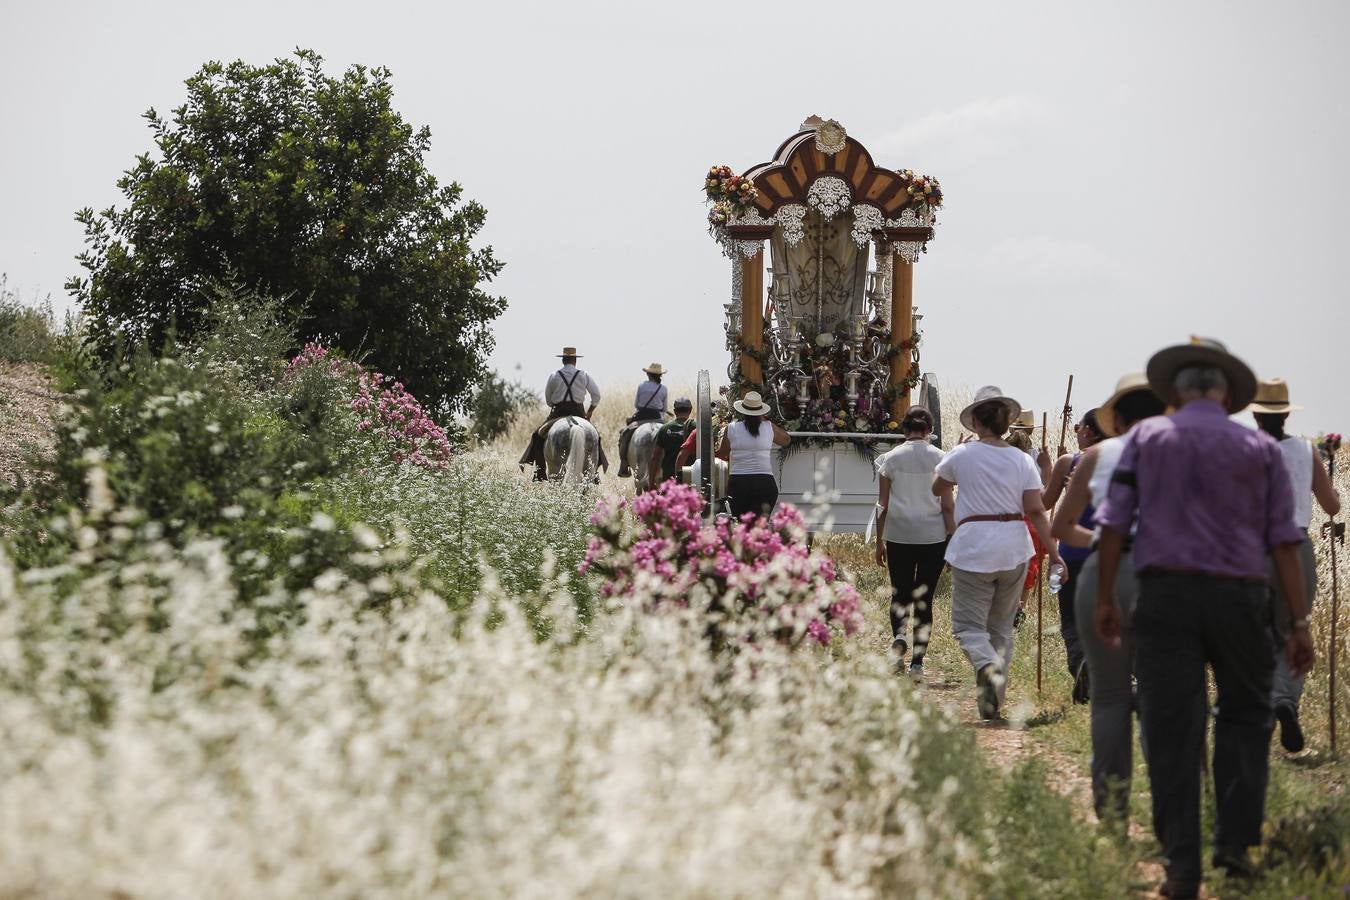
<point>798,163</point>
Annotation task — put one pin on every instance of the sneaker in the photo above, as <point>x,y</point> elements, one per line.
<point>898,648</point>
<point>916,673</point>
<point>986,691</point>
<point>1019,617</point>
<point>1081,691</point>
<point>1291,733</point>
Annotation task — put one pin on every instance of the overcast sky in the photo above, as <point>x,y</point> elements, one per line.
<point>1117,176</point>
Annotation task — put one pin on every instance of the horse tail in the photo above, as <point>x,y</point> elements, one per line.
<point>575,473</point>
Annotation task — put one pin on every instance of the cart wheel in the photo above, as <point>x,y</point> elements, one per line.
<point>933,402</point>
<point>707,466</point>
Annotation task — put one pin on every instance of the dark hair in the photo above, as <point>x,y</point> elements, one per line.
<point>683,403</point>
<point>752,424</point>
<point>1272,424</point>
<point>1091,424</point>
<point>653,376</point>
<point>917,419</point>
<point>994,415</point>
<point>569,360</point>
<point>1136,406</point>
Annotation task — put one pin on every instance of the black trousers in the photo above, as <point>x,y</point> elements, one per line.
<point>1068,619</point>
<point>752,493</point>
<point>915,570</point>
<point>1182,623</point>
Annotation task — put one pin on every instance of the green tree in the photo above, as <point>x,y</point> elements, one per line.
<point>306,186</point>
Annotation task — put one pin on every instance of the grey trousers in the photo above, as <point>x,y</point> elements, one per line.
<point>984,605</point>
<point>1111,670</point>
<point>1288,689</point>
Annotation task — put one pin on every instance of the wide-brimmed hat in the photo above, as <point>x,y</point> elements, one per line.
<point>569,351</point>
<point>1127,384</point>
<point>1024,421</point>
<point>1272,397</point>
<point>1167,362</point>
<point>751,405</point>
<point>989,394</point>
<point>655,369</point>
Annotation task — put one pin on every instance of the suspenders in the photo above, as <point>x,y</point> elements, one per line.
<point>569,383</point>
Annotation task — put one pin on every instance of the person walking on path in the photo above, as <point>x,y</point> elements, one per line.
<point>1088,433</point>
<point>565,392</point>
<point>1111,668</point>
<point>998,487</point>
<point>1308,479</point>
<point>746,444</point>
<point>649,405</point>
<point>1212,499</point>
<point>913,526</point>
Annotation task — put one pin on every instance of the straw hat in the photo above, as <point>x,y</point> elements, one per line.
<point>1166,363</point>
<point>751,405</point>
<point>1025,421</point>
<point>655,369</point>
<point>569,351</point>
<point>1128,384</point>
<point>989,394</point>
<point>1273,397</point>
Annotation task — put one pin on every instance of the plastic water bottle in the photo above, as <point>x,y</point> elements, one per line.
<point>1056,578</point>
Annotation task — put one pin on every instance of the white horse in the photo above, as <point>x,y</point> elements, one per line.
<point>572,450</point>
<point>640,447</point>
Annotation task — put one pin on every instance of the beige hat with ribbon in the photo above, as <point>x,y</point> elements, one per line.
<point>1127,384</point>
<point>569,351</point>
<point>1025,421</point>
<point>751,405</point>
<point>1167,362</point>
<point>989,394</point>
<point>1272,397</point>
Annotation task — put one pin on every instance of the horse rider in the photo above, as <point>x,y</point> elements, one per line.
<point>649,405</point>
<point>564,393</point>
<point>672,435</point>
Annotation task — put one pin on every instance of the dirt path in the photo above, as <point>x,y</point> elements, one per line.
<point>27,416</point>
<point>1006,743</point>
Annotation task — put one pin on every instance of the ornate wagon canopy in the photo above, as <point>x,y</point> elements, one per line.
<point>835,347</point>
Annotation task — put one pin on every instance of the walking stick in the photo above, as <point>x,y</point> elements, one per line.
<point>1330,444</point>
<point>1064,423</point>
<point>1040,578</point>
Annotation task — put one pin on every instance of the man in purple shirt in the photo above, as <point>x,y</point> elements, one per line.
<point>1210,499</point>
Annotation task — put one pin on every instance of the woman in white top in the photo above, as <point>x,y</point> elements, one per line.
<point>912,531</point>
<point>747,446</point>
<point>1110,669</point>
<point>1310,479</point>
<point>998,486</point>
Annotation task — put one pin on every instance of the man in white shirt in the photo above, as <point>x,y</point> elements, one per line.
<point>564,393</point>
<point>649,405</point>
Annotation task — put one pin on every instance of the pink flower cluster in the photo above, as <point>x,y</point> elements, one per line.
<point>385,408</point>
<point>754,579</point>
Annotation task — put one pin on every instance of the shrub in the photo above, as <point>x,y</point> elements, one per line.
<point>749,581</point>
<point>497,404</point>
<point>27,331</point>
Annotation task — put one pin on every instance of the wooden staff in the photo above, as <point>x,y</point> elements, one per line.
<point>1330,449</point>
<point>1068,414</point>
<point>1040,576</point>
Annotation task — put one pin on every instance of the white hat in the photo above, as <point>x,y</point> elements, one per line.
<point>752,405</point>
<point>989,394</point>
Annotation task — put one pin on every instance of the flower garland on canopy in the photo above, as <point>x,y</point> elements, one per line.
<point>731,195</point>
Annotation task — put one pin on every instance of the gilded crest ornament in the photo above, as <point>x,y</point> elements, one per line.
<point>830,136</point>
